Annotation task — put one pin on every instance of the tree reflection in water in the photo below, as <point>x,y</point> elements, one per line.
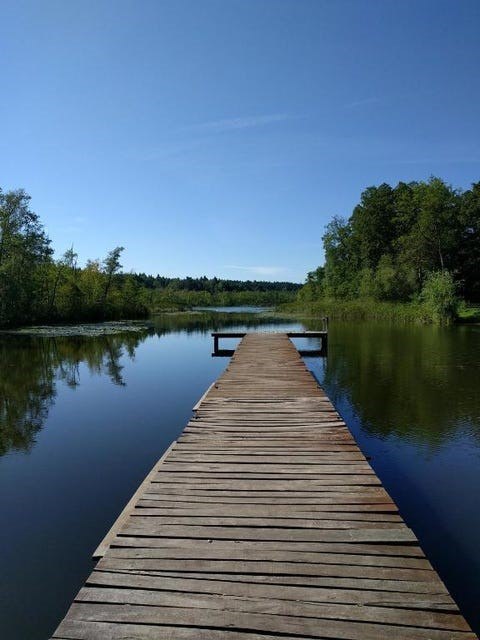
<point>414,383</point>
<point>31,367</point>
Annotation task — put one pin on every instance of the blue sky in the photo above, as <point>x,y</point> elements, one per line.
<point>218,137</point>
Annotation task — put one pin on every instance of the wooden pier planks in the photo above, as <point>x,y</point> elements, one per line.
<point>263,520</point>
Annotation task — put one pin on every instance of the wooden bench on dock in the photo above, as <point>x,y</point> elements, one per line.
<point>322,336</point>
<point>263,520</point>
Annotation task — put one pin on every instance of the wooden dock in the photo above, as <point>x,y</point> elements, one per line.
<point>263,520</point>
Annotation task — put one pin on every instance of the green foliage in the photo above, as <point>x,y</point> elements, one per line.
<point>468,252</point>
<point>468,313</point>
<point>184,293</point>
<point>314,287</point>
<point>393,242</point>
<point>362,309</point>
<point>372,226</point>
<point>24,256</point>
<point>168,299</point>
<point>36,288</point>
<point>213,285</point>
<point>439,296</point>
<point>341,262</point>
<point>366,283</point>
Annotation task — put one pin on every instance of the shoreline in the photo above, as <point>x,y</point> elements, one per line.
<point>396,312</point>
<point>403,312</point>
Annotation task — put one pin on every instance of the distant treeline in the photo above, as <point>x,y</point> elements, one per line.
<point>182,293</point>
<point>170,299</point>
<point>416,243</point>
<point>213,285</point>
<point>36,288</point>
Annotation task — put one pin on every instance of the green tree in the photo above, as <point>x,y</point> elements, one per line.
<point>467,264</point>
<point>372,225</point>
<point>440,297</point>
<point>60,269</point>
<point>91,284</point>
<point>428,242</point>
<point>24,248</point>
<point>111,266</point>
<point>398,240</point>
<point>341,264</point>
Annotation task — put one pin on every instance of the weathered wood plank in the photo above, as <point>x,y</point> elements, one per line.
<point>372,549</point>
<point>253,482</point>
<point>275,606</point>
<point>388,535</point>
<point>227,586</point>
<point>329,582</point>
<point>278,517</point>
<point>288,510</point>
<point>231,552</point>
<point>207,618</point>
<point>87,630</point>
<point>268,567</point>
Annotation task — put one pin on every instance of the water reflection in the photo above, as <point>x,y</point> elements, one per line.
<point>408,394</point>
<point>414,383</point>
<point>32,367</point>
<point>402,381</point>
<point>209,321</point>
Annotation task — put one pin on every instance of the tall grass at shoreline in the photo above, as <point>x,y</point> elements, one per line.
<point>365,309</point>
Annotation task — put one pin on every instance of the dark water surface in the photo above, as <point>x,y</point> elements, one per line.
<point>83,419</point>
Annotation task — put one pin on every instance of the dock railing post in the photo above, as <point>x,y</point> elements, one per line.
<point>325,336</point>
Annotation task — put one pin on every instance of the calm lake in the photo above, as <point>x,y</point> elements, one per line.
<point>83,419</point>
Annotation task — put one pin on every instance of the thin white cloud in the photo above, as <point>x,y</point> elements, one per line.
<point>258,270</point>
<point>233,124</point>
<point>361,103</point>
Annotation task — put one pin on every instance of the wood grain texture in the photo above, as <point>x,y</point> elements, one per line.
<point>263,520</point>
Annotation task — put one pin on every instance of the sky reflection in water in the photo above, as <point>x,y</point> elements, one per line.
<point>83,419</point>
